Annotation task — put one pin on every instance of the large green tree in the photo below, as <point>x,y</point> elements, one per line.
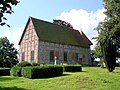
<point>108,38</point>
<point>8,54</point>
<point>6,7</point>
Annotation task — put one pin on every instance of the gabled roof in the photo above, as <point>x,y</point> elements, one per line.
<point>86,39</point>
<point>50,32</point>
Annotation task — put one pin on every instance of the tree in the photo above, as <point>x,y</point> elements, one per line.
<point>97,51</point>
<point>6,7</point>
<point>8,54</point>
<point>109,33</point>
<point>92,57</point>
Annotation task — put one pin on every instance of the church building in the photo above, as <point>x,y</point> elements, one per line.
<point>43,42</point>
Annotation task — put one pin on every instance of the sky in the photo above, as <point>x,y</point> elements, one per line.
<point>82,14</point>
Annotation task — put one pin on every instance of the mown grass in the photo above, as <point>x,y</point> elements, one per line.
<point>92,78</point>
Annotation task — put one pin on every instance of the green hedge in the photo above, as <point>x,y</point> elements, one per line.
<point>4,71</point>
<point>42,71</point>
<point>23,64</point>
<point>16,71</point>
<point>73,68</point>
<point>35,64</point>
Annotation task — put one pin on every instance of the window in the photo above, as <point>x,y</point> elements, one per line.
<point>57,55</point>
<point>80,61</point>
<point>73,56</point>
<point>32,56</point>
<point>51,56</point>
<point>65,57</point>
<point>76,57</point>
<point>23,56</point>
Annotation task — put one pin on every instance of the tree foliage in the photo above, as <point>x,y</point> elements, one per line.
<point>97,51</point>
<point>108,38</point>
<point>6,7</point>
<point>8,54</point>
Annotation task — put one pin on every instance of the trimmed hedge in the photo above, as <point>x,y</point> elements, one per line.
<point>4,71</point>
<point>16,71</point>
<point>73,68</point>
<point>42,71</point>
<point>23,64</point>
<point>35,64</point>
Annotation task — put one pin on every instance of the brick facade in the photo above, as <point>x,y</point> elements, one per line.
<point>28,44</point>
<point>46,47</point>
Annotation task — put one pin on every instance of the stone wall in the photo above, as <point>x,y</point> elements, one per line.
<point>46,47</point>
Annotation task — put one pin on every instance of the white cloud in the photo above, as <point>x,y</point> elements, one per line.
<point>83,20</point>
<point>14,36</point>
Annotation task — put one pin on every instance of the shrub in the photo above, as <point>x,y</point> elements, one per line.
<point>16,71</point>
<point>42,71</point>
<point>35,64</point>
<point>4,71</point>
<point>73,68</point>
<point>23,64</point>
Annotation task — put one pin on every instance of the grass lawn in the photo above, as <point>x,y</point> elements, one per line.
<point>92,78</point>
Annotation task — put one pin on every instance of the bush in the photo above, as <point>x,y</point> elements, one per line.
<point>35,64</point>
<point>16,71</point>
<point>42,71</point>
<point>23,64</point>
<point>4,71</point>
<point>73,68</point>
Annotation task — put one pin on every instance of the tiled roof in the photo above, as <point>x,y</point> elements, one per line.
<point>50,32</point>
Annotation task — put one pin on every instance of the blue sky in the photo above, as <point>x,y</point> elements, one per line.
<point>49,10</point>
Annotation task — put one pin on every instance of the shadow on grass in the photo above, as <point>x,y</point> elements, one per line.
<point>47,77</point>
<point>66,74</point>
<point>7,78</point>
<point>11,88</point>
<point>76,72</point>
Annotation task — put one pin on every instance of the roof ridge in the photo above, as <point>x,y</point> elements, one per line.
<point>50,32</point>
<point>51,23</point>
<point>40,20</point>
